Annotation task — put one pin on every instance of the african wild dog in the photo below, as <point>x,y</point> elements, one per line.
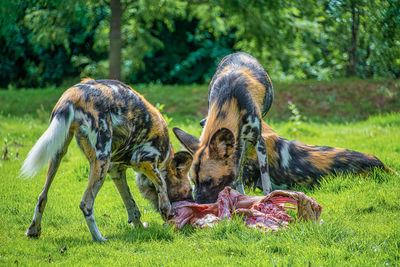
<point>240,94</point>
<point>292,162</point>
<point>116,128</point>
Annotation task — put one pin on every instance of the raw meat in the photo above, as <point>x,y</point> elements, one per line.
<point>265,212</point>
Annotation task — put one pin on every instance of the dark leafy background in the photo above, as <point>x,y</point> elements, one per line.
<point>180,42</point>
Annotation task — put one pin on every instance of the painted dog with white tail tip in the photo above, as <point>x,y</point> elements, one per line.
<point>116,128</point>
<point>240,94</point>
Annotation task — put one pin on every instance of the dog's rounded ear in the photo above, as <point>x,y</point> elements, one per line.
<point>222,144</point>
<point>190,142</point>
<point>181,163</point>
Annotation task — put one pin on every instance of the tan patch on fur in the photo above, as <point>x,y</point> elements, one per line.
<point>159,126</point>
<point>147,168</point>
<point>132,114</point>
<point>225,71</point>
<point>106,91</point>
<point>253,61</point>
<point>85,80</point>
<point>371,156</point>
<point>73,94</point>
<point>90,108</point>
<point>221,169</point>
<point>255,89</point>
<point>270,138</point>
<point>322,160</point>
<point>216,169</point>
<point>87,149</point>
<point>213,124</point>
<point>179,188</point>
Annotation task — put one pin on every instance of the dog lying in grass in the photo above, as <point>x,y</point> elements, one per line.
<point>294,163</point>
<point>240,94</point>
<point>116,129</point>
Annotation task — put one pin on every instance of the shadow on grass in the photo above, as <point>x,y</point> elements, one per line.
<point>128,234</point>
<point>155,231</point>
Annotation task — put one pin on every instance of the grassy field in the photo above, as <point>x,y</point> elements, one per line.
<point>361,214</point>
<point>335,101</point>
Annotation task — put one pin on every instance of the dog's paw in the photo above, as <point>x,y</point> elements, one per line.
<point>33,231</point>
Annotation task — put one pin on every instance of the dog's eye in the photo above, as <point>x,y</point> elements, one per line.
<point>207,182</point>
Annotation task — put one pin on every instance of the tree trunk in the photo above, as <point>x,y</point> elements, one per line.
<point>355,14</point>
<point>115,40</point>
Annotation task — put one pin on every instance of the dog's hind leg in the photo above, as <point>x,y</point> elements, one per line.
<point>98,152</point>
<point>98,172</point>
<point>262,156</point>
<point>34,229</point>
<point>118,175</point>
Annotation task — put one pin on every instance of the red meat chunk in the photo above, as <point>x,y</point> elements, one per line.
<point>265,212</point>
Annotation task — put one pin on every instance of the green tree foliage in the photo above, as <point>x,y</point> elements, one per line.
<point>181,41</point>
<point>313,39</point>
<point>40,41</point>
<point>162,42</point>
<point>188,56</point>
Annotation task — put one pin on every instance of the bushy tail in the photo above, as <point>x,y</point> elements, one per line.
<point>50,143</point>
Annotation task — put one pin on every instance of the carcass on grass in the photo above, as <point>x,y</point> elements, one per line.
<point>268,213</point>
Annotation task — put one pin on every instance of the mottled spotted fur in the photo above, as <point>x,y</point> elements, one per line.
<point>116,128</point>
<point>294,163</point>
<point>240,94</point>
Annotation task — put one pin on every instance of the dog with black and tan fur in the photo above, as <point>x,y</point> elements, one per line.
<point>116,128</point>
<point>292,162</point>
<point>240,94</point>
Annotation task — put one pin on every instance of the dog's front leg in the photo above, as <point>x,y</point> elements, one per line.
<point>161,189</point>
<point>98,172</point>
<point>118,175</point>
<point>151,171</point>
<point>262,156</point>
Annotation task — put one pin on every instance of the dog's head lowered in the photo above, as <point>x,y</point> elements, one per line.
<point>176,178</point>
<point>213,165</point>
<point>178,183</point>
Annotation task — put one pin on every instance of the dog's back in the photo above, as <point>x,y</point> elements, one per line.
<point>240,91</point>
<point>241,76</point>
<point>113,108</point>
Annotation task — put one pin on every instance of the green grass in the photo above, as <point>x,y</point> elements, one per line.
<point>361,214</point>
<point>333,101</point>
